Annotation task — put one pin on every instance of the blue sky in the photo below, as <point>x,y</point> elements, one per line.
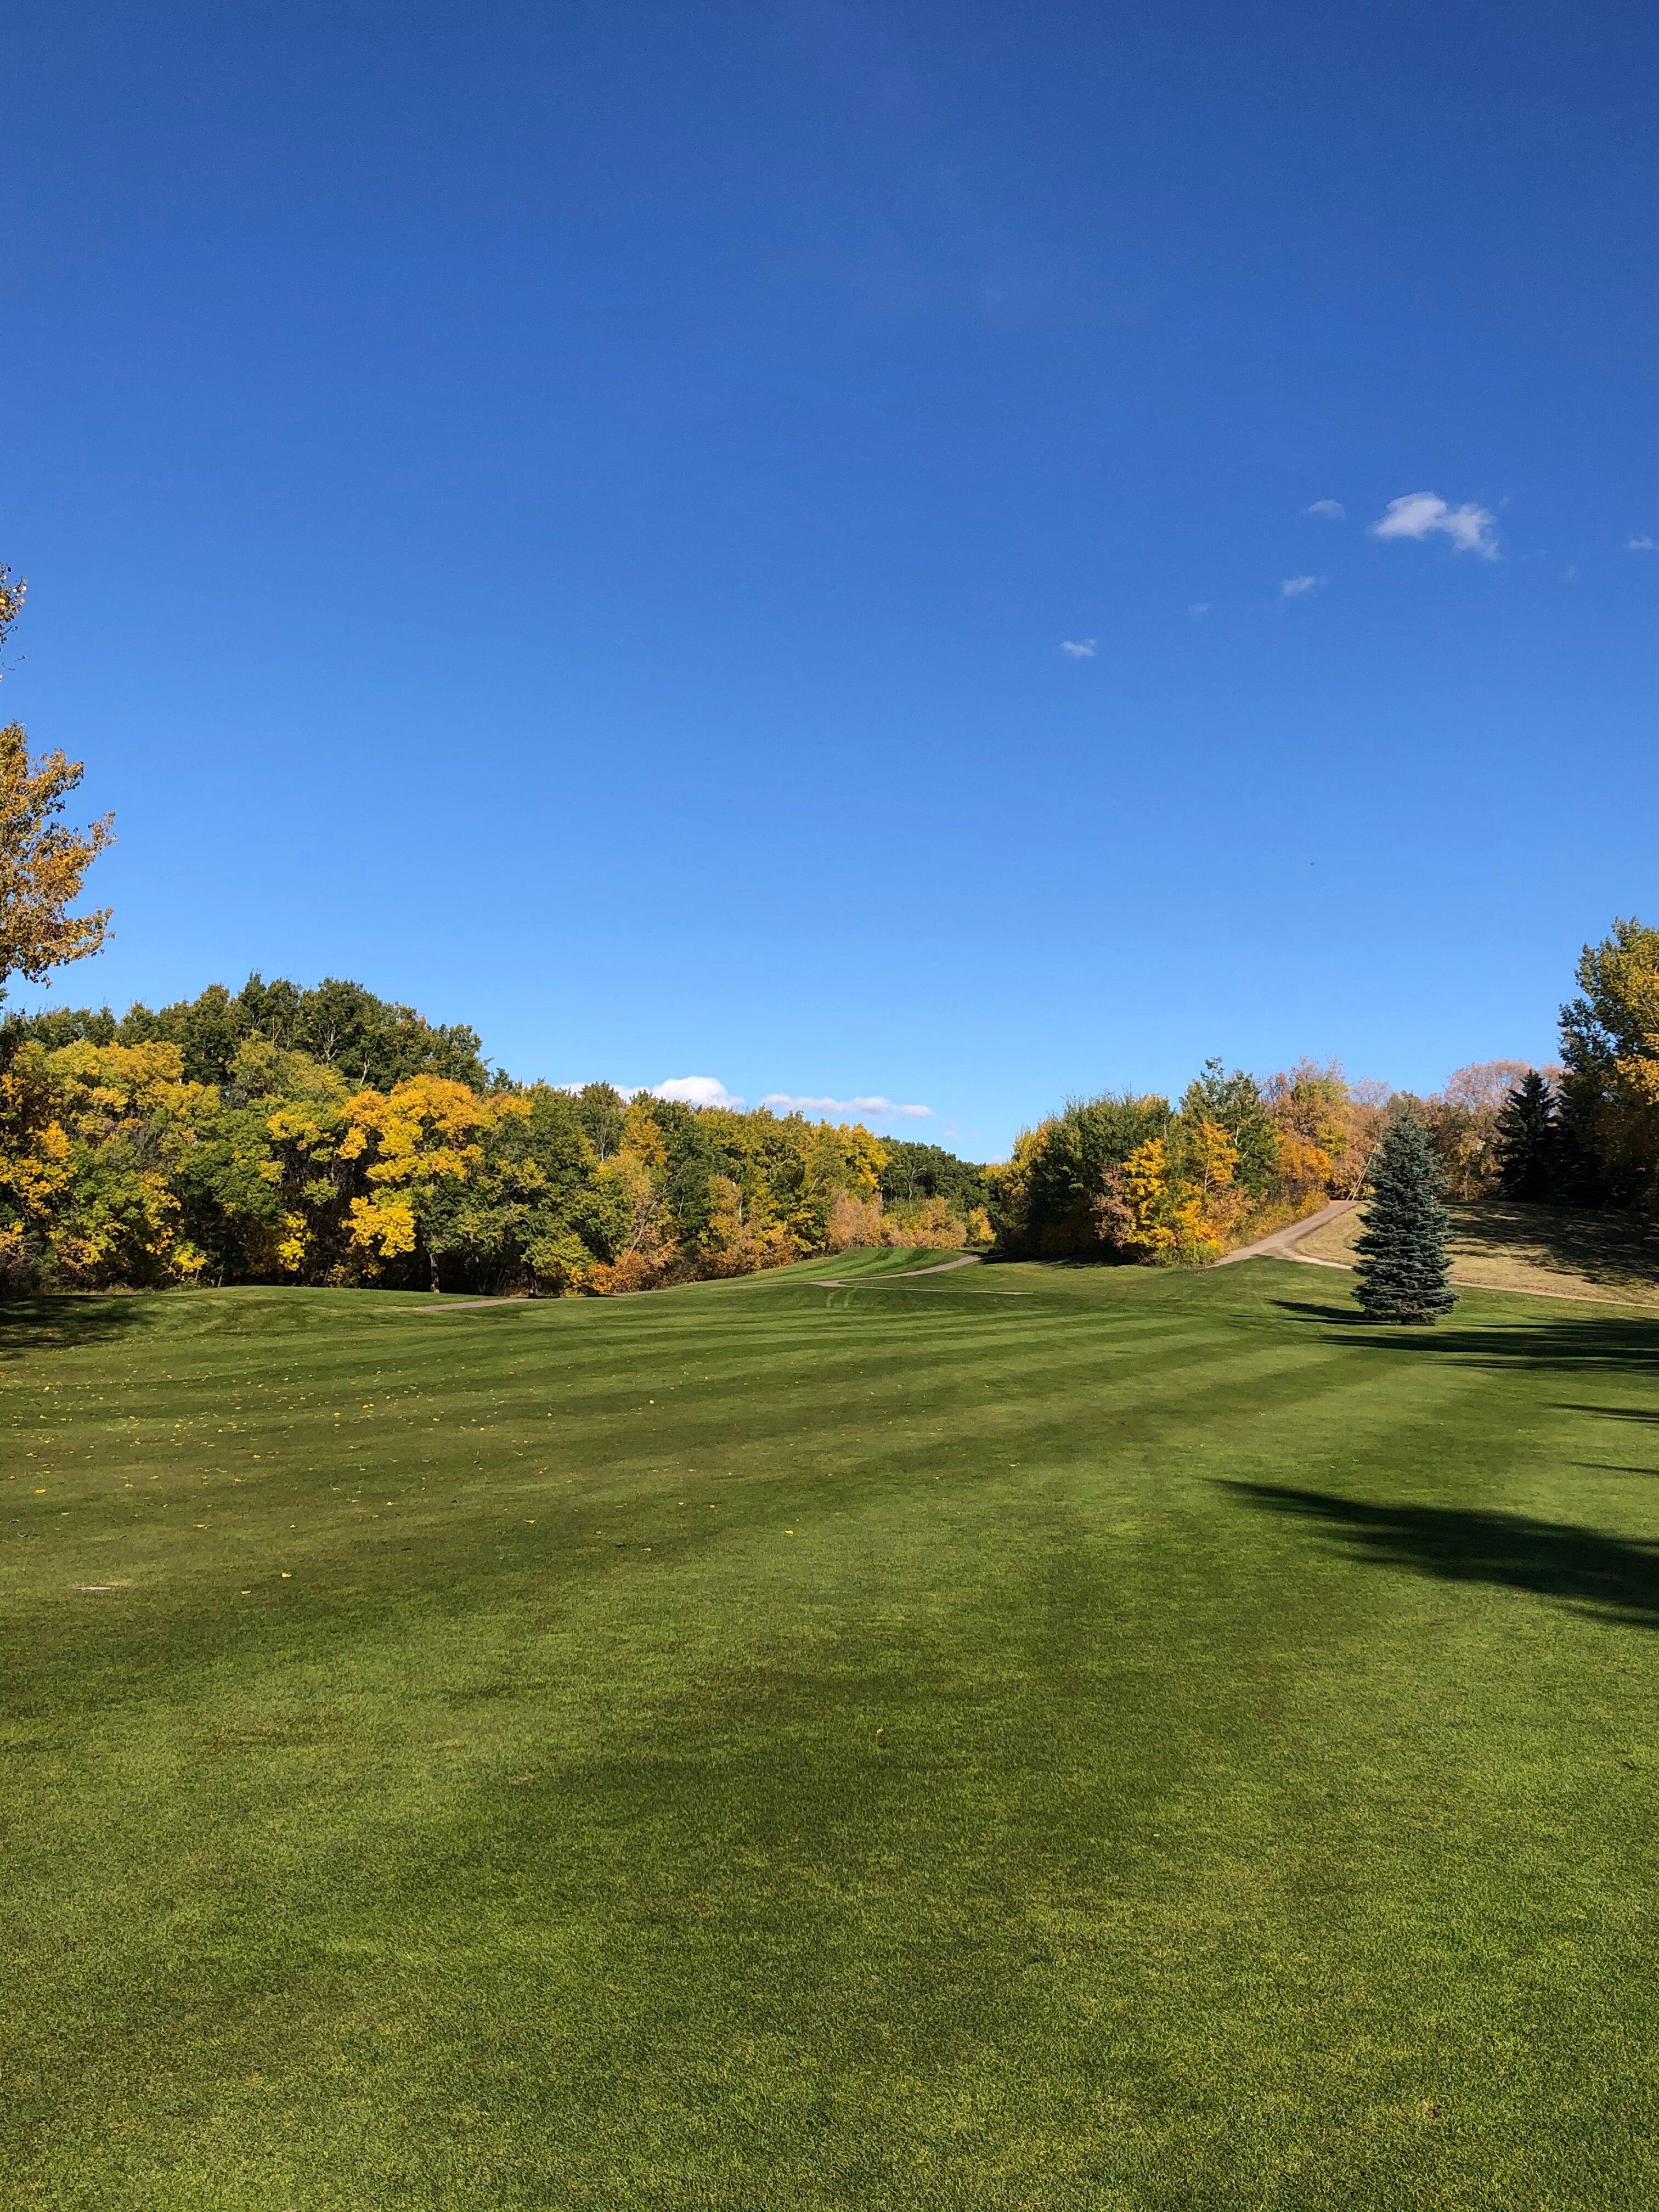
<point>574,517</point>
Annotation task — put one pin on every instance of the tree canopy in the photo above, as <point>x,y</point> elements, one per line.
<point>203,1143</point>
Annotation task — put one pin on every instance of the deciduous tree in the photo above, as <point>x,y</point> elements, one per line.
<point>43,862</point>
<point>1609,1106</point>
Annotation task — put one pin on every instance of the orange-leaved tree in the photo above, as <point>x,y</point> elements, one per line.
<point>43,862</point>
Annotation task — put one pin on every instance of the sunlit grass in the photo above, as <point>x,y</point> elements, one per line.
<point>1020,1737</point>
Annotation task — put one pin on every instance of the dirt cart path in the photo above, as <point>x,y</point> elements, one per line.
<point>1283,1243</point>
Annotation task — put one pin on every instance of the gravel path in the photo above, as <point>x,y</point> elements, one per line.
<point>1284,1242</point>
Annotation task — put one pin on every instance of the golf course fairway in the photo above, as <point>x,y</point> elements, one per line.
<point>1013,1737</point>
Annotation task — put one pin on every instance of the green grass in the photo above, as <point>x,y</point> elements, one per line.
<point>1150,1742</point>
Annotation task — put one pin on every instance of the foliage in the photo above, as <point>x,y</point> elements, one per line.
<point>13,592</point>
<point>1235,1104</point>
<point>910,1172</point>
<point>372,1042</point>
<point>1328,1129</point>
<point>929,1224</point>
<point>1156,1212</point>
<point>43,862</point>
<point>90,1141</point>
<point>1044,1202</point>
<point>326,1135</point>
<point>1609,1103</point>
<point>207,1144</point>
<point>1526,1140</point>
<point>1401,1254</point>
<point>1132,1178</point>
<point>1462,1121</point>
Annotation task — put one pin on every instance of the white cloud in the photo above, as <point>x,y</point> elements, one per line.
<point>1332,509</point>
<point>883,1110</point>
<point>1199,607</point>
<point>1080,648</point>
<point>1293,586</point>
<point>696,1091</point>
<point>1424,514</point>
<point>1643,544</point>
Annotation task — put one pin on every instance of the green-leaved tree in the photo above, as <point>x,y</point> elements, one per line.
<point>1401,1251</point>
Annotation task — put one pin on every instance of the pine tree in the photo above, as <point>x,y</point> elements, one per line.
<point>1528,1140</point>
<point>1401,1262</point>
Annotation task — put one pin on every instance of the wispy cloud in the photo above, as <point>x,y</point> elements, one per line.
<point>1643,544</point>
<point>1332,509</point>
<point>1080,648</point>
<point>1197,609</point>
<point>1293,586</point>
<point>881,1109</point>
<point>709,1091</point>
<point>1423,514</point>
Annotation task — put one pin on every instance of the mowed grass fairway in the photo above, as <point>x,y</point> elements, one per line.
<point>1012,1737</point>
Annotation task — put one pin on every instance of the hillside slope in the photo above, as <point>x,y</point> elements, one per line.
<point>1562,1251</point>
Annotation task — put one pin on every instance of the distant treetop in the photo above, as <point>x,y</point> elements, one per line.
<point>371,1042</point>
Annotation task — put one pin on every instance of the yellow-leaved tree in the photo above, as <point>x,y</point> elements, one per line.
<point>630,1203</point>
<point>1610,1042</point>
<point>739,1238</point>
<point>420,1134</point>
<point>1162,1219</point>
<point>1209,1163</point>
<point>92,1140</point>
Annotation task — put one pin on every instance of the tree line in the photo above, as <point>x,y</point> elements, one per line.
<point>326,1135</point>
<point>1143,1178</point>
<point>1150,1180</point>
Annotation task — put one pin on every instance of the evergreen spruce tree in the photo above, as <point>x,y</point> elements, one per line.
<point>1401,1262</point>
<point>1528,1140</point>
<point>1583,1175</point>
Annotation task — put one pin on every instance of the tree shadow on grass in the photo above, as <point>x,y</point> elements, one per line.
<point>1614,1579</point>
<point>45,1324</point>
<point>1612,1343</point>
<point>1619,1249</point>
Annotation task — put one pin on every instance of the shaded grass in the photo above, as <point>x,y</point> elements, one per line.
<point>1503,1244</point>
<point>1147,1742</point>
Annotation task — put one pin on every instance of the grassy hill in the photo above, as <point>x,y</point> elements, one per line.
<point>1565,1251</point>
<point>1007,1738</point>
